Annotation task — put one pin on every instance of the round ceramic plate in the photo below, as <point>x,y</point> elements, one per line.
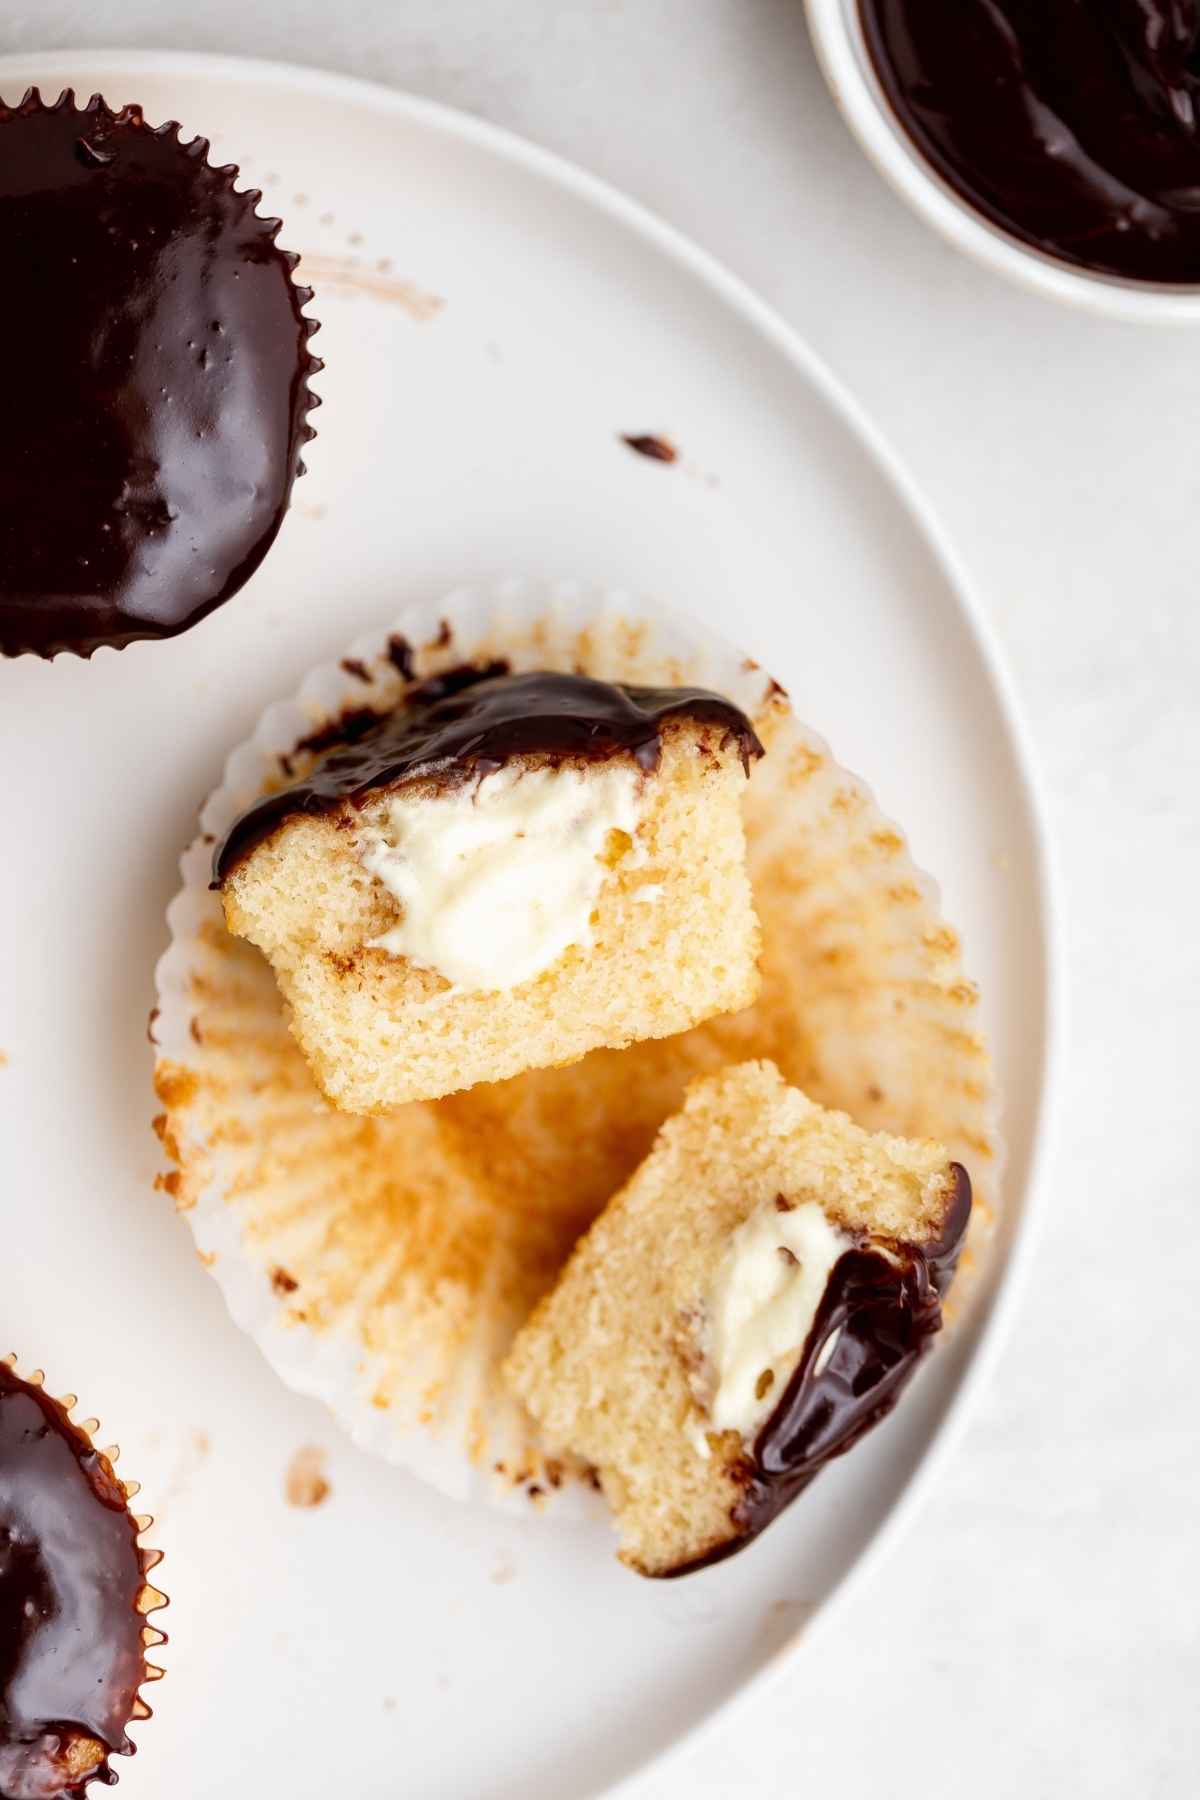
<point>494,324</point>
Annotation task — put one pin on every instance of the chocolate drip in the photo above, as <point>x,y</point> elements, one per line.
<point>155,394</point>
<point>1075,127</point>
<point>71,1573</point>
<point>470,722</point>
<point>878,1315</point>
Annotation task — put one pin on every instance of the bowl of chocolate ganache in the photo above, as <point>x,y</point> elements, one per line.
<point>1057,141</point>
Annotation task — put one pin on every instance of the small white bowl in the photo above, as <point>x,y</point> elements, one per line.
<point>846,64</point>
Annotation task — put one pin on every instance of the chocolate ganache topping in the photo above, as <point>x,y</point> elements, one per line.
<point>156,390</point>
<point>470,722</point>
<point>1073,124</point>
<point>879,1314</point>
<point>71,1577</point>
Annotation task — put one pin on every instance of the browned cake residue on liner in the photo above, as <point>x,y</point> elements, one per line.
<point>355,275</point>
<point>426,1235</point>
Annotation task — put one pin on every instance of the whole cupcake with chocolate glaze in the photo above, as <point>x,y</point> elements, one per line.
<point>74,1596</point>
<point>157,395</point>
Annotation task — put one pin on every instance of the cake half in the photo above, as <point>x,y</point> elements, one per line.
<point>749,1305</point>
<point>507,872</point>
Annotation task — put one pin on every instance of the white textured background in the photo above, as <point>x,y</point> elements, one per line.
<point>1038,1631</point>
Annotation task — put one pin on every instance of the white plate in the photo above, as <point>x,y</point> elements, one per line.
<point>390,1642</point>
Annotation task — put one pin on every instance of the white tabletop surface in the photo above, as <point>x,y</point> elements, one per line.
<point>1037,1633</point>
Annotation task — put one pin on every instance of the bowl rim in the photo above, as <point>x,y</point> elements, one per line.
<point>836,32</point>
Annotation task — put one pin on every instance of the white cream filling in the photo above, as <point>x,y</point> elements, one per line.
<point>760,1311</point>
<point>497,878</point>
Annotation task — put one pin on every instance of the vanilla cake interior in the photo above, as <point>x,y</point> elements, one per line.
<point>750,1303</point>
<point>508,872</point>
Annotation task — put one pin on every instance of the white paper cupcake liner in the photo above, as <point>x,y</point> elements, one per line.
<point>383,1265</point>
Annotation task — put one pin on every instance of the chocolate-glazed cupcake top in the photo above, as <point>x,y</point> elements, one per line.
<point>879,1314</point>
<point>72,1583</point>
<point>156,390</point>
<point>470,722</point>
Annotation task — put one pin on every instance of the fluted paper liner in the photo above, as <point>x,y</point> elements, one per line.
<point>383,1264</point>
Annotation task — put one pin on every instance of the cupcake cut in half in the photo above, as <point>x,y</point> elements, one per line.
<point>750,1304</point>
<point>156,394</point>
<point>505,873</point>
<point>74,1596</point>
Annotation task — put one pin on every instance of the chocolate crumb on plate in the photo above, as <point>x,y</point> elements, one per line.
<point>306,1484</point>
<point>658,449</point>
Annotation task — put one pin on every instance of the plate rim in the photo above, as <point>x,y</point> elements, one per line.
<point>561,172</point>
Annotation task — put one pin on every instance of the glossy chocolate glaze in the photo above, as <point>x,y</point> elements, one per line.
<point>400,655</point>
<point>470,722</point>
<point>1074,126</point>
<point>155,389</point>
<point>71,1572</point>
<point>880,1312</point>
